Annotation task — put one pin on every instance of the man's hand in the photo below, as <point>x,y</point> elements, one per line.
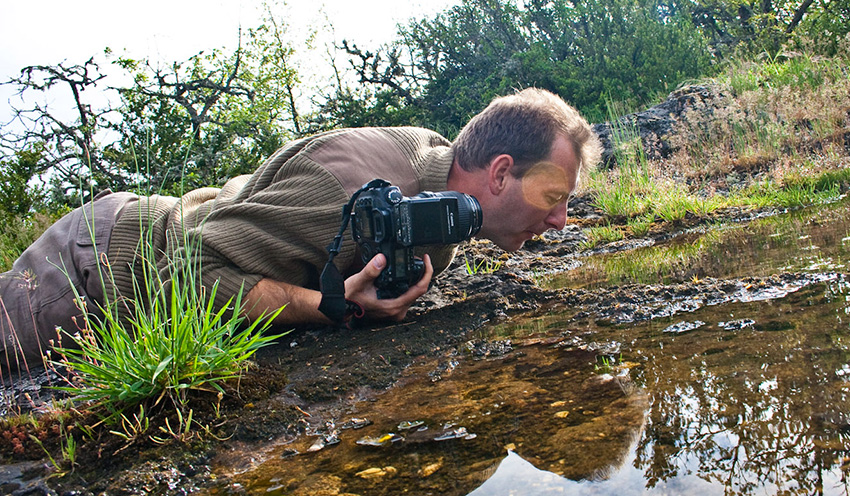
<point>361,288</point>
<point>302,305</point>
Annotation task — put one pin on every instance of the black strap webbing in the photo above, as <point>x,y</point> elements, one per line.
<point>332,284</point>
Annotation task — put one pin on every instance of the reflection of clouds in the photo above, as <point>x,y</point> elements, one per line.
<point>515,476</point>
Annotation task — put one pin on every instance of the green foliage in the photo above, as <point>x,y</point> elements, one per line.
<point>485,266</point>
<point>756,26</point>
<point>625,191</point>
<point>17,197</point>
<point>173,342</point>
<point>586,51</point>
<point>203,121</point>
<point>793,195</point>
<point>796,71</point>
<point>600,235</point>
<point>640,225</point>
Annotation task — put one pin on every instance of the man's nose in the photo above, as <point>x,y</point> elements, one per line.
<point>557,218</point>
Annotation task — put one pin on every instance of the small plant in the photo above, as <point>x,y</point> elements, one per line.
<point>604,364</point>
<point>485,266</point>
<point>68,449</point>
<point>132,430</point>
<point>540,277</point>
<point>181,432</point>
<point>600,235</point>
<point>640,225</point>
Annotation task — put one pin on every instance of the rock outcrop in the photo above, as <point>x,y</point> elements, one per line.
<point>657,123</point>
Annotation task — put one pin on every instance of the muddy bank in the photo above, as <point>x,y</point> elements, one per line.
<point>314,375</point>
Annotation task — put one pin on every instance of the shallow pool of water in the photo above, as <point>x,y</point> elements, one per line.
<point>735,398</point>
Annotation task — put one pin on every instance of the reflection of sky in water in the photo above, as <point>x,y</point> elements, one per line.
<point>756,409</point>
<point>517,477</point>
<point>514,476</point>
<point>761,409</point>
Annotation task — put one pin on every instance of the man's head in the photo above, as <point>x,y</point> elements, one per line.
<point>524,125</point>
<point>521,158</point>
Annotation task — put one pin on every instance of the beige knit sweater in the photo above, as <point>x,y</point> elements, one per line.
<point>278,222</point>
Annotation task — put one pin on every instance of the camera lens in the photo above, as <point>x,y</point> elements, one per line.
<point>469,214</point>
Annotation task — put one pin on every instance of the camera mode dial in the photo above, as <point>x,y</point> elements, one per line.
<point>394,195</point>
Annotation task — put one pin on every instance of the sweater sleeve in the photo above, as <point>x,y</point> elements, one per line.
<point>277,226</point>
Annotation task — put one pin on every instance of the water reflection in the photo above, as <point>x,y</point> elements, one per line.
<point>756,408</point>
<point>753,400</point>
<point>556,407</point>
<point>765,408</point>
<point>516,476</point>
<point>814,239</point>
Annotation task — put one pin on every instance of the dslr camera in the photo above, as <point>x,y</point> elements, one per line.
<point>385,221</point>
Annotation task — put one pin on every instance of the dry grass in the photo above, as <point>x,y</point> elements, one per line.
<point>790,115</point>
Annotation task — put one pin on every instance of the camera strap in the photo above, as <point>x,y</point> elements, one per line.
<point>332,284</point>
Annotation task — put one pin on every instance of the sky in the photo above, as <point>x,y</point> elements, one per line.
<point>34,32</point>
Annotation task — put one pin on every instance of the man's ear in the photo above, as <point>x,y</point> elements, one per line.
<point>499,173</point>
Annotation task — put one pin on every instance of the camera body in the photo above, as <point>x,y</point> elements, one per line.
<point>385,221</point>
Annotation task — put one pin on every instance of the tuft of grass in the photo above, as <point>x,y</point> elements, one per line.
<point>600,235</point>
<point>793,195</point>
<point>640,225</point>
<point>174,344</point>
<point>168,340</point>
<point>485,266</point>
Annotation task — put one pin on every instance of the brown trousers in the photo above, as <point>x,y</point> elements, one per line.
<point>38,295</point>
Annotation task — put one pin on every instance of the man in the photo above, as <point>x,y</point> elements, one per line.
<point>266,234</point>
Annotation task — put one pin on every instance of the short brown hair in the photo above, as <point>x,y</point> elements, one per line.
<point>524,125</point>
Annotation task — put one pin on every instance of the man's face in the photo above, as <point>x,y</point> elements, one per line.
<point>537,202</point>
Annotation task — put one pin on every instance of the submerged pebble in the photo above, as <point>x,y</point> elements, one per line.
<point>734,325</point>
<point>429,469</point>
<point>355,423</point>
<point>384,440</point>
<point>406,425</point>
<point>289,453</point>
<point>375,472</point>
<point>685,326</point>
<point>458,433</point>
<point>324,441</point>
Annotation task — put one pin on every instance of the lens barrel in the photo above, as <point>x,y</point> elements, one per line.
<point>469,213</point>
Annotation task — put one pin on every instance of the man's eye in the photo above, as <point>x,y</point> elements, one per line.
<point>555,199</point>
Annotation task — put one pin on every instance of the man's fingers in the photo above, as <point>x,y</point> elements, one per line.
<point>425,280</point>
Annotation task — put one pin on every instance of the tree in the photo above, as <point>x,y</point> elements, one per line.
<point>766,25</point>
<point>445,69</point>
<point>17,197</point>
<point>177,126</point>
<point>68,147</point>
<point>214,116</point>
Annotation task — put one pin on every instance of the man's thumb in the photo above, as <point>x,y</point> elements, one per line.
<point>376,265</point>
